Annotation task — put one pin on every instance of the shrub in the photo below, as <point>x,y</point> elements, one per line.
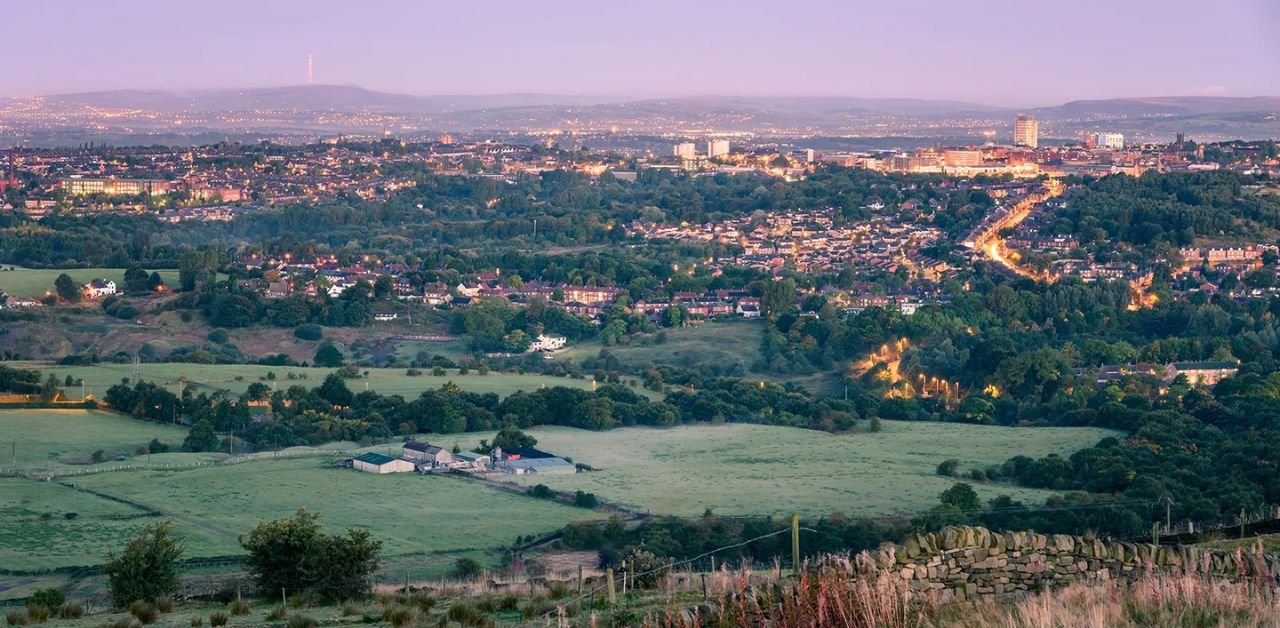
<point>197,622</point>
<point>239,607</point>
<point>16,618</point>
<point>466,615</point>
<point>585,500</point>
<point>400,616</point>
<point>146,569</point>
<point>70,610</point>
<point>164,603</point>
<point>144,612</point>
<point>309,331</point>
<point>349,609</point>
<point>217,618</point>
<point>37,613</point>
<point>542,491</point>
<point>297,601</point>
<point>302,621</point>
<point>465,568</point>
<point>948,467</point>
<point>218,336</point>
<point>48,598</point>
<point>277,613</point>
<point>647,569</point>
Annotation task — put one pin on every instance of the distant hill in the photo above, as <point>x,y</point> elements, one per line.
<point>1163,106</point>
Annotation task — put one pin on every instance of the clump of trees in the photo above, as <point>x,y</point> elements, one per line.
<point>294,554</point>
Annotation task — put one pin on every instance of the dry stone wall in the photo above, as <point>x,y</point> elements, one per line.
<point>964,562</point>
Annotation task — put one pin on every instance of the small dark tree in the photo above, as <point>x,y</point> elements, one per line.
<point>295,554</point>
<point>147,568</point>
<point>201,437</point>
<point>66,288</point>
<point>467,568</point>
<point>328,356</point>
<point>948,467</point>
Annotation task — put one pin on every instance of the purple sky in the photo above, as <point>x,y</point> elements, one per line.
<point>1006,52</point>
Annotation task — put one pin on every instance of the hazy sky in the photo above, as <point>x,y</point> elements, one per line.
<point>1011,52</point>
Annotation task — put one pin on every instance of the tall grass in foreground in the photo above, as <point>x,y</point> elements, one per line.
<point>837,593</point>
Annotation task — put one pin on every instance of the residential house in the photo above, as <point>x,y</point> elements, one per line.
<point>1201,373</point>
<point>544,343</point>
<point>99,288</point>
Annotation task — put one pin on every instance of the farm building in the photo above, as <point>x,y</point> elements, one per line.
<point>426,453</point>
<point>378,463</point>
<point>473,461</point>
<point>527,460</point>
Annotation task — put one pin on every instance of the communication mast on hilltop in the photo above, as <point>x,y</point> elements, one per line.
<point>310,67</point>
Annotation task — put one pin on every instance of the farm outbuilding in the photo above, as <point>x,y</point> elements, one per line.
<point>427,453</point>
<point>540,466</point>
<point>378,463</point>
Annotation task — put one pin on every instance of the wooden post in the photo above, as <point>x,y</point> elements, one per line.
<point>704,588</point>
<point>1155,533</point>
<point>1242,523</point>
<point>579,579</point>
<point>626,573</point>
<point>795,543</point>
<point>613,593</point>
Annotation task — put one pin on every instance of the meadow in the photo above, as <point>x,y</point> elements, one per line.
<point>236,378</point>
<point>727,344</point>
<point>739,469</point>
<point>51,440</point>
<point>33,283</point>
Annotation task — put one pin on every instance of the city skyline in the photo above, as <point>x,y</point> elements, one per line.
<point>1014,52</point>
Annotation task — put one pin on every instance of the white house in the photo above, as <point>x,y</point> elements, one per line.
<point>544,343</point>
<point>385,317</point>
<point>378,463</point>
<point>99,288</point>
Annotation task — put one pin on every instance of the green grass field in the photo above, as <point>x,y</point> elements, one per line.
<point>724,344</point>
<point>86,510</point>
<point>65,439</point>
<point>99,377</point>
<point>33,283</point>
<point>738,469</point>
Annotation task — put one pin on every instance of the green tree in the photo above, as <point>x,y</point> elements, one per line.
<point>512,438</point>
<point>66,288</point>
<point>147,568</point>
<point>294,554</point>
<point>962,497</point>
<point>328,356</point>
<point>201,437</point>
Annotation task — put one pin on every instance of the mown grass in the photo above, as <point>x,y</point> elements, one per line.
<point>739,469</point>
<point>33,283</point>
<point>58,439</point>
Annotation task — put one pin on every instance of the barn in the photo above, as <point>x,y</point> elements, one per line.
<point>426,453</point>
<point>378,463</point>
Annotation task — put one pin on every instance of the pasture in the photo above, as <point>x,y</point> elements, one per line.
<point>63,440</point>
<point>730,346</point>
<point>33,283</point>
<point>81,511</point>
<point>236,378</point>
<point>738,469</point>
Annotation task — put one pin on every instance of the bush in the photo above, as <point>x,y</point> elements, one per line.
<point>217,618</point>
<point>239,607</point>
<point>164,603</point>
<point>466,615</point>
<point>218,336</point>
<point>144,612</point>
<point>400,616</point>
<point>146,569</point>
<point>37,613</point>
<point>302,621</point>
<point>585,500</point>
<point>17,618</point>
<point>197,622</point>
<point>948,467</point>
<point>466,568</point>
<point>48,598</point>
<point>297,601</point>
<point>309,331</point>
<point>349,609</point>
<point>70,610</point>
<point>542,491</point>
<point>277,613</point>
<point>646,568</point>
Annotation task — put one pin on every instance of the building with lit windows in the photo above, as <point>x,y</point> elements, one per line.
<point>1026,131</point>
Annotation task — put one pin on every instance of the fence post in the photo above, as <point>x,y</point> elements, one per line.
<point>704,588</point>
<point>613,594</point>
<point>1155,533</point>
<point>795,543</point>
<point>579,579</point>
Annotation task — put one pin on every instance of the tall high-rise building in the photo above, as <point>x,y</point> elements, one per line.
<point>1026,131</point>
<point>686,150</point>
<point>717,148</point>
